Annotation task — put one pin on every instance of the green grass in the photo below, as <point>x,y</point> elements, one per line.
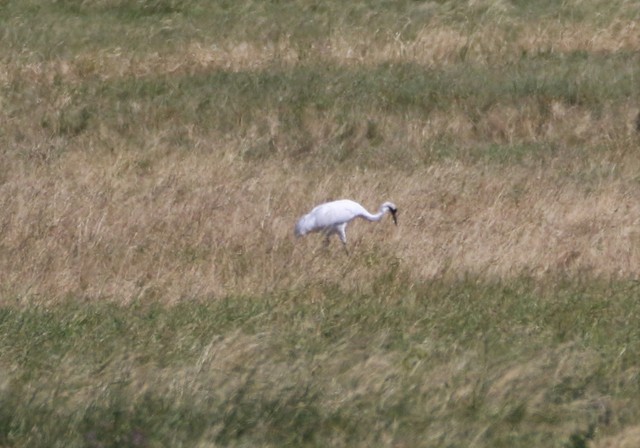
<point>401,89</point>
<point>360,110</point>
<point>159,24</point>
<point>240,104</point>
<point>424,365</point>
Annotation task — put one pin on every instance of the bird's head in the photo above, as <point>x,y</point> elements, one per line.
<point>391,208</point>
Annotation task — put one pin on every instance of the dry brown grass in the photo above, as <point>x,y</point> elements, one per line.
<point>182,226</point>
<point>82,219</point>
<point>434,46</point>
<point>627,439</point>
<point>103,198</point>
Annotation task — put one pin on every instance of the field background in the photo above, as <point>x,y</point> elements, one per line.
<point>155,155</point>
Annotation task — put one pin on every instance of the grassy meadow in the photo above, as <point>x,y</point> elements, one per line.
<point>155,155</point>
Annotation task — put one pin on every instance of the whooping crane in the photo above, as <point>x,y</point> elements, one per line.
<point>332,218</point>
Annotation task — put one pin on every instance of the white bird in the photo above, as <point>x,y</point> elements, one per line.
<point>332,218</point>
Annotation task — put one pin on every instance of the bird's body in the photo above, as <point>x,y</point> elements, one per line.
<point>332,218</point>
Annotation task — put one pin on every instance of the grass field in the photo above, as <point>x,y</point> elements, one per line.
<point>155,155</point>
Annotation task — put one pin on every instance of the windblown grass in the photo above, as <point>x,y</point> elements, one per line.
<point>434,364</point>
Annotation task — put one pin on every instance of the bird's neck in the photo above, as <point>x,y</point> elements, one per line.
<point>375,217</point>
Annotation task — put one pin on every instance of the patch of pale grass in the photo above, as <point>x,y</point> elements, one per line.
<point>617,35</point>
<point>436,45</point>
<point>533,225</point>
<point>627,438</point>
<point>524,123</point>
<point>174,227</point>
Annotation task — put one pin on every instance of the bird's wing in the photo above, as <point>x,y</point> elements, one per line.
<point>336,212</point>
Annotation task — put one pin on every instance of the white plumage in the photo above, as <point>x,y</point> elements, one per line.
<point>332,218</point>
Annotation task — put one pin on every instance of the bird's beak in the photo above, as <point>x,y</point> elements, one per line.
<point>393,215</point>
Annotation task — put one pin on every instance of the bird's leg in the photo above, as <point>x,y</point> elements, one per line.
<point>343,236</point>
